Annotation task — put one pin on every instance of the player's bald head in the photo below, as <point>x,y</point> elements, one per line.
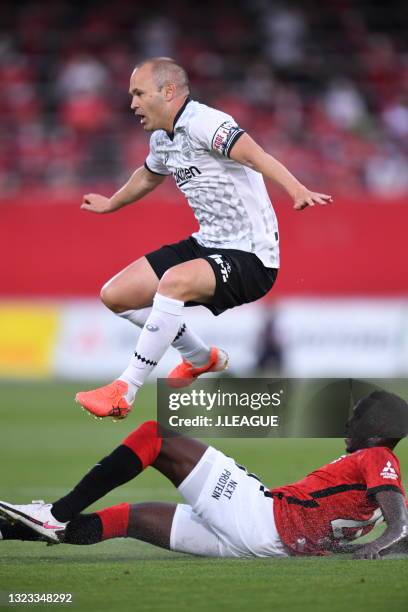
<point>165,71</point>
<point>380,414</point>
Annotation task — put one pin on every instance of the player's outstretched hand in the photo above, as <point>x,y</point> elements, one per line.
<point>96,203</point>
<point>310,198</point>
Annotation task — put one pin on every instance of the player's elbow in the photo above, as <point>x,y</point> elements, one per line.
<point>397,529</point>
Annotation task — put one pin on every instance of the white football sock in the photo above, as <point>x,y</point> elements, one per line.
<point>137,317</point>
<point>160,329</point>
<point>189,345</point>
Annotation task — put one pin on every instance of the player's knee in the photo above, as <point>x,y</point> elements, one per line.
<point>145,442</point>
<point>109,297</point>
<point>149,427</point>
<point>148,430</point>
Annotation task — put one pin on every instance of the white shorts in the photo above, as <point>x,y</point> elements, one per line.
<point>227,514</point>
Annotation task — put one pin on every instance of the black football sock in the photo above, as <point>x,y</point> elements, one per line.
<point>17,531</point>
<point>117,468</point>
<point>84,529</point>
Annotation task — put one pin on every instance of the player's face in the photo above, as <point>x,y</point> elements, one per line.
<point>355,428</point>
<point>147,100</point>
<point>354,441</point>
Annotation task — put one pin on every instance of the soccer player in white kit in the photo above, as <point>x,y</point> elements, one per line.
<point>232,259</point>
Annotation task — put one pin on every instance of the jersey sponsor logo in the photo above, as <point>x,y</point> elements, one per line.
<point>225,136</point>
<point>225,486</point>
<point>388,472</point>
<point>183,175</point>
<point>225,267</point>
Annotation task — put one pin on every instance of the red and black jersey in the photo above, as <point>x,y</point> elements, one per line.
<point>335,503</point>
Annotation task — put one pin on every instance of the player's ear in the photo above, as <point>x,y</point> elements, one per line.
<point>169,91</point>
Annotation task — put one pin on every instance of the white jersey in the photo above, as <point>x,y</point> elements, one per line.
<point>229,200</point>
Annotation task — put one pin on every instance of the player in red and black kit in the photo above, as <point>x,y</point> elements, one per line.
<point>229,513</point>
<point>342,501</point>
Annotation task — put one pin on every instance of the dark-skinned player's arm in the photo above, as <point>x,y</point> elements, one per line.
<point>141,183</point>
<point>247,152</point>
<point>400,548</point>
<point>394,511</point>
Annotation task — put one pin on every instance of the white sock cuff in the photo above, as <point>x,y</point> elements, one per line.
<point>137,317</point>
<point>126,314</point>
<point>167,304</point>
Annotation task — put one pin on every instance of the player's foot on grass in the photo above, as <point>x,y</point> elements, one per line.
<point>38,517</point>
<point>186,373</point>
<point>107,401</point>
<point>12,530</point>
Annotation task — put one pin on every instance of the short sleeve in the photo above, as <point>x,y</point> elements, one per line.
<point>215,131</point>
<point>381,470</point>
<point>153,162</point>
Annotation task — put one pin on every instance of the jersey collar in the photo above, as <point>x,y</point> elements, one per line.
<point>177,117</point>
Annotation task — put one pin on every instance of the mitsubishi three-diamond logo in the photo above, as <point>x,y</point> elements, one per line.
<point>389,472</point>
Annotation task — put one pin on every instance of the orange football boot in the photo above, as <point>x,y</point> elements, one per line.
<point>106,401</point>
<point>185,373</point>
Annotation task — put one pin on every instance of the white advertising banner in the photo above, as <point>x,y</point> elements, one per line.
<point>93,343</point>
<point>307,337</point>
<point>344,337</point>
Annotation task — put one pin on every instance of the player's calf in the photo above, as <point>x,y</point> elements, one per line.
<point>137,451</point>
<point>150,522</point>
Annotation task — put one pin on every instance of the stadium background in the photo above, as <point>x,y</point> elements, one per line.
<point>323,86</point>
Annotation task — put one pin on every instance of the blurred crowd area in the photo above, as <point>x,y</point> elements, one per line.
<point>322,85</point>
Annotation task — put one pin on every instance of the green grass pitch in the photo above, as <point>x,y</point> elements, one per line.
<point>47,444</point>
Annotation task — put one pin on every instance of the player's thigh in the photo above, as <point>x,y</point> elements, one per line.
<point>178,457</point>
<point>132,288</point>
<point>232,502</point>
<point>189,281</point>
<point>190,534</point>
<point>218,490</point>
